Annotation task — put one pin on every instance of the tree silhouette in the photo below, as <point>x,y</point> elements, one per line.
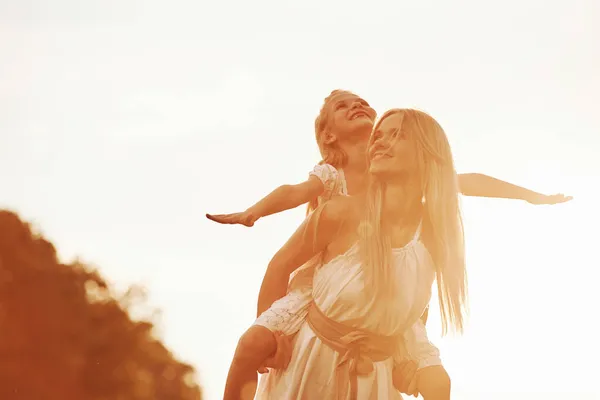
<point>65,336</point>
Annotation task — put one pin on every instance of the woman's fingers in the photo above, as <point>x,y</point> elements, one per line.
<point>409,373</point>
<point>283,353</point>
<point>550,199</point>
<point>412,387</point>
<point>409,369</point>
<point>404,375</point>
<point>273,361</point>
<point>559,198</point>
<point>286,350</point>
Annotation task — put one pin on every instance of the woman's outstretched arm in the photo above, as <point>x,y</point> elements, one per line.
<point>283,198</point>
<point>312,237</point>
<point>480,185</point>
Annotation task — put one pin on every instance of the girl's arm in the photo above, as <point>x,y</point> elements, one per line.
<point>480,185</point>
<point>283,198</point>
<point>310,239</point>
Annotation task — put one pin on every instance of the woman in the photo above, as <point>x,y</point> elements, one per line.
<point>380,254</point>
<point>343,129</point>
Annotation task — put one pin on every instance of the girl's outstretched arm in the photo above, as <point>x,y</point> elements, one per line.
<point>283,198</point>
<point>479,185</point>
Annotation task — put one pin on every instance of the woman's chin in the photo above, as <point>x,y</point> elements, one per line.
<point>376,169</point>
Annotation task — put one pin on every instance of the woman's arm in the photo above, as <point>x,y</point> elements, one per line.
<point>479,185</point>
<point>310,239</point>
<point>431,379</point>
<point>283,198</point>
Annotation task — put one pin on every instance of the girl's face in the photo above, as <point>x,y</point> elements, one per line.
<point>350,117</point>
<point>392,150</point>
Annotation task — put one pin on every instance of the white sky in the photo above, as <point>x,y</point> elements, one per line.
<point>123,122</point>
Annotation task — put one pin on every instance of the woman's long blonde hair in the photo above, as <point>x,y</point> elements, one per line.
<point>442,222</point>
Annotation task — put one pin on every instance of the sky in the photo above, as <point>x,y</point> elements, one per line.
<point>123,122</point>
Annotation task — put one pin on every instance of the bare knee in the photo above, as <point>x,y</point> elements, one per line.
<point>434,383</point>
<point>443,385</point>
<point>255,345</point>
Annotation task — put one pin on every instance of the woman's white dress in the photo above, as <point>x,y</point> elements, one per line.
<point>338,291</point>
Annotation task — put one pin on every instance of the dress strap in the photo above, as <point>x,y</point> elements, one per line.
<point>418,232</point>
<point>342,176</point>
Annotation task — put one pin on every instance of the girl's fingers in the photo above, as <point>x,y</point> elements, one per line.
<point>222,218</point>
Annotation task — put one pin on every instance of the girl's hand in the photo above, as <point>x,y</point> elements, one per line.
<point>246,218</point>
<point>282,356</point>
<point>549,199</point>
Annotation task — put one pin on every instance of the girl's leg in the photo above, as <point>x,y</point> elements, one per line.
<point>434,383</point>
<point>254,347</point>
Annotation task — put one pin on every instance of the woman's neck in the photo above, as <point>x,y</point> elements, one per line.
<point>402,202</point>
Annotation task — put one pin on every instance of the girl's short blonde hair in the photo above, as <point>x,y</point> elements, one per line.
<point>330,152</point>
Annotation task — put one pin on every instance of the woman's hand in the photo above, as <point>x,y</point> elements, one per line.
<point>246,218</point>
<point>548,199</point>
<point>282,356</point>
<point>404,377</point>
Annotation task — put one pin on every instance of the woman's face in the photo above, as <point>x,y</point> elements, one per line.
<point>350,117</point>
<point>392,150</point>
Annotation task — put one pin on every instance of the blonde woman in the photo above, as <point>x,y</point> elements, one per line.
<point>380,255</point>
<point>342,131</point>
